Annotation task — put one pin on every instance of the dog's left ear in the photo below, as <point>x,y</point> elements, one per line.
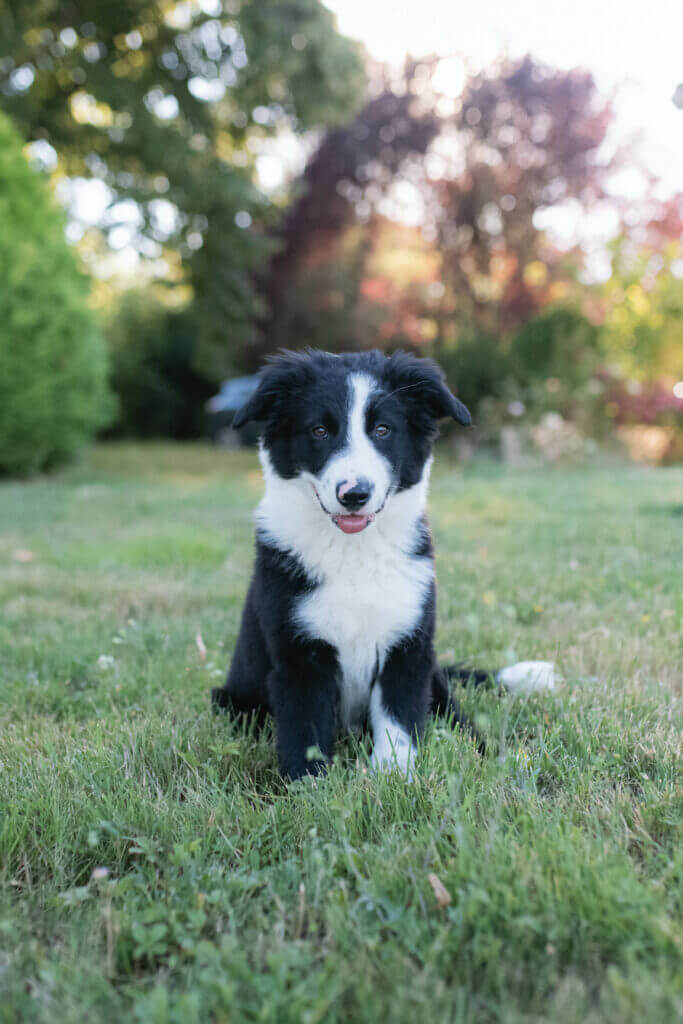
<point>425,383</point>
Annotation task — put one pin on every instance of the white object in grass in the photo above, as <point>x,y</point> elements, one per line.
<point>527,676</point>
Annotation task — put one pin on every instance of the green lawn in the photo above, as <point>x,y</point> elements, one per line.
<point>153,866</point>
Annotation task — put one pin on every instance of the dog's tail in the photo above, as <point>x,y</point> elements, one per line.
<point>523,677</point>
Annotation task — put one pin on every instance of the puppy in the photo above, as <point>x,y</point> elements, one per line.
<point>338,626</point>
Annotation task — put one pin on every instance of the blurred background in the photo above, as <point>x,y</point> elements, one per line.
<point>187,186</point>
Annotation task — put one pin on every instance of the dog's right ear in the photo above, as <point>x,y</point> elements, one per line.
<point>282,376</point>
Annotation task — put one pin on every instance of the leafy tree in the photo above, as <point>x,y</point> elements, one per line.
<point>522,139</point>
<point>53,392</point>
<point>642,301</point>
<point>152,349</point>
<point>477,368</point>
<point>326,241</point>
<point>559,344</point>
<point>165,100</point>
<point>529,139</point>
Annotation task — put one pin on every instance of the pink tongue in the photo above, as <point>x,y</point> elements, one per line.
<point>352,524</point>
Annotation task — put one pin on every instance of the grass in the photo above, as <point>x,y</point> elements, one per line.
<point>153,867</point>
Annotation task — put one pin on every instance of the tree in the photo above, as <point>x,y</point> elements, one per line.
<point>642,301</point>
<point>167,101</point>
<point>522,139</point>
<point>328,238</point>
<point>53,392</point>
<point>151,349</point>
<point>529,139</point>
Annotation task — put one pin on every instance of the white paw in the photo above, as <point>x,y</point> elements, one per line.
<point>393,747</point>
<point>388,755</point>
<point>527,676</point>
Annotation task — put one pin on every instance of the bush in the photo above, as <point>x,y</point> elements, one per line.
<point>547,365</point>
<point>558,344</point>
<point>152,350</point>
<point>53,368</point>
<point>478,368</point>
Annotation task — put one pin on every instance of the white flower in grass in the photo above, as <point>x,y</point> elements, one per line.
<point>106,662</point>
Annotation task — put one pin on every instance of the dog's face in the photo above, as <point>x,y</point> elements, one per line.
<point>355,429</point>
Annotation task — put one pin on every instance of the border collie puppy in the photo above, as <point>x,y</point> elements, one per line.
<point>338,625</point>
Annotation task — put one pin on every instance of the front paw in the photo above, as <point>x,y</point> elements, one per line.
<point>220,699</point>
<point>395,752</point>
<point>294,765</point>
<point>313,769</point>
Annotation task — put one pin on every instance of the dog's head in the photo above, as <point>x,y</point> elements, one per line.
<point>354,429</point>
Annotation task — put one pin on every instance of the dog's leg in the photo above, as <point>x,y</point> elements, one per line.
<point>399,703</point>
<point>303,697</point>
<point>239,705</point>
<point>244,692</point>
<point>394,744</point>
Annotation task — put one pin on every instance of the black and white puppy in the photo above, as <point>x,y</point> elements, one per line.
<point>338,625</point>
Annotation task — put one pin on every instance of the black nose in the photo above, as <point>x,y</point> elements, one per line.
<point>356,496</point>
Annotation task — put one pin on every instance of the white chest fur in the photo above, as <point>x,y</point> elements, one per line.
<point>370,589</point>
<point>368,598</point>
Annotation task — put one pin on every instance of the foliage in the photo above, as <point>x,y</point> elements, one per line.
<point>648,416</point>
<point>153,867</point>
<point>476,367</point>
<point>322,308</point>
<point>355,164</point>
<point>548,366</point>
<point>152,352</point>
<point>651,402</point>
<point>169,102</point>
<point>559,343</point>
<point>530,139</point>
<point>643,298</point>
<point>331,229</point>
<point>367,289</point>
<point>53,392</point>
<point>524,138</point>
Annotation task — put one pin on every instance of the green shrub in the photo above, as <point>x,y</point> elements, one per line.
<point>152,351</point>
<point>53,391</point>
<point>549,365</point>
<point>477,368</point>
<point>559,343</point>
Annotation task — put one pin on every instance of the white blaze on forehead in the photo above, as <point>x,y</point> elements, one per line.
<point>358,457</point>
<point>361,388</point>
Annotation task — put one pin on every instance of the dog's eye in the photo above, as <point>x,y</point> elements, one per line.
<point>320,432</point>
<point>382,430</point>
